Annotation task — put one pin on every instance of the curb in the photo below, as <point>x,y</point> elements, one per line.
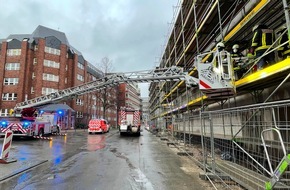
<point>21,170</point>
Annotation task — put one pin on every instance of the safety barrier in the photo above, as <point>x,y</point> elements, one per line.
<point>44,138</point>
<point>59,134</point>
<point>6,148</point>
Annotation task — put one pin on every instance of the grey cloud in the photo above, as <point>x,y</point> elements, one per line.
<point>129,32</point>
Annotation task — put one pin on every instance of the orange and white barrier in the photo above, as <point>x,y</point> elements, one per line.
<point>6,148</point>
<point>45,138</point>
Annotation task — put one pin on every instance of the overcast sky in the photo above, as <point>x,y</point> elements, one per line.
<point>131,33</point>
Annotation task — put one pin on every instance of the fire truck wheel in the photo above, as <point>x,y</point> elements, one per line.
<point>41,133</point>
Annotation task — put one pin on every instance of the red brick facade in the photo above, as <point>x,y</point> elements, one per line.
<point>30,76</point>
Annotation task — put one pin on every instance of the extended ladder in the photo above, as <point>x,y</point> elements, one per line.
<point>157,75</point>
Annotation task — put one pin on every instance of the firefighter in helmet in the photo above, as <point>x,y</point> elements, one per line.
<point>262,39</point>
<point>220,46</point>
<point>237,56</point>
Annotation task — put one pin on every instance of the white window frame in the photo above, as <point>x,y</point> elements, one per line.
<point>4,112</point>
<point>81,66</point>
<point>49,63</point>
<point>46,91</point>
<point>11,81</point>
<point>12,66</point>
<point>79,102</point>
<point>13,52</point>
<point>9,96</point>
<point>50,77</point>
<point>80,77</point>
<point>34,61</point>
<point>79,114</point>
<point>52,50</point>
<point>32,90</point>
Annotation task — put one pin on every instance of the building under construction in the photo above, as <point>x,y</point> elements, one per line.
<point>240,134</point>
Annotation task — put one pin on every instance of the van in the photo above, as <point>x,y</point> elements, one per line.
<point>98,126</point>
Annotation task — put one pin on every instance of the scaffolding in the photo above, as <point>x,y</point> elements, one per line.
<point>244,137</point>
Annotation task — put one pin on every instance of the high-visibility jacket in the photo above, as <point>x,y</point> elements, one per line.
<point>262,39</point>
<point>236,63</point>
<point>285,49</point>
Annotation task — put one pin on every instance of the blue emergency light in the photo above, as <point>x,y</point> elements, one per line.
<point>3,123</point>
<point>60,112</point>
<point>26,124</point>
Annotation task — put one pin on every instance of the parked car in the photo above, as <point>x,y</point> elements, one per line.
<point>98,126</point>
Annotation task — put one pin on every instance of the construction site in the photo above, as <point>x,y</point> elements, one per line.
<point>237,130</point>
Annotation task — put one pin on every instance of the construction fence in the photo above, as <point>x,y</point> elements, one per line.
<point>249,144</point>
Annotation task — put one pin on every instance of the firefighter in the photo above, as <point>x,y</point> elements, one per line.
<point>220,46</point>
<point>284,50</point>
<point>237,56</point>
<point>262,40</point>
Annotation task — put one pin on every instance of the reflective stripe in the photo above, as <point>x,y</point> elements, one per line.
<point>264,43</point>
<point>253,39</point>
<point>262,47</point>
<point>286,52</point>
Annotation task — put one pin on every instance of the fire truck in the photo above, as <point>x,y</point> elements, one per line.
<point>129,121</point>
<point>29,124</point>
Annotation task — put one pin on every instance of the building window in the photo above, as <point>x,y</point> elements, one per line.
<point>11,81</point>
<point>79,114</point>
<point>81,66</point>
<point>32,90</point>
<point>34,61</point>
<point>49,63</point>
<point>80,77</point>
<point>13,52</point>
<point>52,50</point>
<point>79,102</point>
<point>4,112</point>
<point>50,77</point>
<point>46,91</point>
<point>12,66</point>
<point>9,96</point>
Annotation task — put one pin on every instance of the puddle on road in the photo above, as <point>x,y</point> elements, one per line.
<point>95,142</point>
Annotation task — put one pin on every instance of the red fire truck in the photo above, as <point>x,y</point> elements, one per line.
<point>129,121</point>
<point>29,124</point>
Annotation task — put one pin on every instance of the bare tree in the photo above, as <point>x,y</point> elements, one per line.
<point>106,65</point>
<point>106,96</point>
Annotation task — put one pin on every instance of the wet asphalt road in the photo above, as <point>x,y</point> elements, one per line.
<point>101,161</point>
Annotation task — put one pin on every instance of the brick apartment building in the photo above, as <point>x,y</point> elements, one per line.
<point>43,62</point>
<point>129,96</point>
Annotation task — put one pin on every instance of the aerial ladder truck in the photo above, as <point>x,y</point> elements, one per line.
<point>213,78</point>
